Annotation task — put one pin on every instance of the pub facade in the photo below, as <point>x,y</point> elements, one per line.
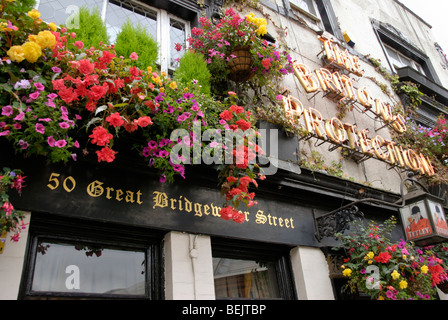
<point>114,231</point>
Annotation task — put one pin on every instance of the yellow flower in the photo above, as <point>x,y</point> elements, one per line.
<point>32,51</point>
<point>53,26</point>
<point>16,53</point>
<point>424,269</point>
<point>162,89</point>
<point>46,39</point>
<point>34,14</point>
<point>173,85</point>
<point>10,0</point>
<point>381,298</point>
<point>369,256</point>
<point>149,69</point>
<point>404,257</point>
<point>403,284</point>
<point>395,275</point>
<point>262,30</point>
<point>32,37</point>
<point>370,261</point>
<point>347,273</point>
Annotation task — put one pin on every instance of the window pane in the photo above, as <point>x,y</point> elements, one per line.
<point>177,35</point>
<point>245,279</point>
<point>77,268</point>
<point>306,5</point>
<point>119,12</point>
<point>58,11</point>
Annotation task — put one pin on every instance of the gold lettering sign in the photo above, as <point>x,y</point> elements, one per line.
<point>183,205</point>
<point>348,136</point>
<point>341,58</point>
<point>160,200</point>
<point>342,88</point>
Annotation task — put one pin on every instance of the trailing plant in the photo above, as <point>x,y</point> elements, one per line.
<point>385,270</point>
<point>11,220</point>
<point>270,62</point>
<point>50,90</point>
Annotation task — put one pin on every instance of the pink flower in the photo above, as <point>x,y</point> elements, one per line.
<point>133,56</point>
<point>61,143</point>
<point>177,46</point>
<point>64,125</point>
<point>39,86</point>
<point>51,142</point>
<point>7,111</point>
<point>78,44</point>
<point>40,128</point>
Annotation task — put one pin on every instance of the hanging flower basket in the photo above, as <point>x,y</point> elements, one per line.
<point>241,65</point>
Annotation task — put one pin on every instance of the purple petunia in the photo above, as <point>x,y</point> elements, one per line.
<point>40,128</point>
<point>7,111</point>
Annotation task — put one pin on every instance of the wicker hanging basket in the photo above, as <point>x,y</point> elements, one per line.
<point>241,66</point>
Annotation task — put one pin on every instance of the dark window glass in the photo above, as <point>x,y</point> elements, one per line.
<point>91,269</point>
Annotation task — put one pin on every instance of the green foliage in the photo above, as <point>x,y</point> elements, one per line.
<point>192,66</point>
<point>21,6</point>
<point>137,39</point>
<point>92,30</point>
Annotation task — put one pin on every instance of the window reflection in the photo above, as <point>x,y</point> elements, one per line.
<point>79,268</point>
<point>245,279</point>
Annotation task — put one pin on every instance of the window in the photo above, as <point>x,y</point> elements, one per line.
<point>401,53</point>
<point>306,5</point>
<point>398,60</point>
<point>246,270</point>
<point>245,279</point>
<point>77,259</point>
<point>85,268</point>
<point>166,28</point>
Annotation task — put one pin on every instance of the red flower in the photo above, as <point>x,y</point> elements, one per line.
<point>232,179</point>
<point>233,192</point>
<point>227,213</point>
<point>58,84</point>
<point>244,183</point>
<point>239,217</point>
<point>383,257</point>
<point>106,154</point>
<point>85,66</point>
<point>130,126</point>
<point>97,92</point>
<point>144,121</point>
<point>67,95</point>
<point>226,115</point>
<point>243,124</point>
<point>115,120</point>
<point>236,109</point>
<point>91,105</point>
<point>177,46</point>
<point>266,63</point>
<point>100,136</point>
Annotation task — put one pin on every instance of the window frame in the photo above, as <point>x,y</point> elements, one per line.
<point>388,35</point>
<point>55,229</point>
<point>246,250</point>
<point>163,29</point>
